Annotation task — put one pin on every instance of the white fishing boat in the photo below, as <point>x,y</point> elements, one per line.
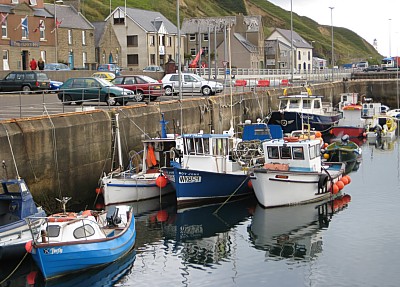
<point>294,173</point>
<point>142,180</point>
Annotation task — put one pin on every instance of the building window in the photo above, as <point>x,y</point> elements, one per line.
<point>32,2</point>
<point>192,37</point>
<point>309,55</point>
<point>133,59</point>
<point>119,17</point>
<point>42,30</point>
<point>169,41</point>
<point>84,58</point>
<point>205,51</point>
<point>83,37</point>
<point>14,1</point>
<point>6,66</point>
<point>132,41</point>
<point>205,37</point>
<point>70,37</point>
<point>152,59</point>
<point>152,41</point>
<point>4,28</point>
<point>193,51</point>
<point>299,55</point>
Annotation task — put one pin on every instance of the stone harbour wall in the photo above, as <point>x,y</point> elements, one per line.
<point>66,154</point>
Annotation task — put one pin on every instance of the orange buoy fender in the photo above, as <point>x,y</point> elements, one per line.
<point>28,246</point>
<point>340,184</point>
<point>291,139</point>
<point>161,181</point>
<point>345,180</point>
<point>335,188</point>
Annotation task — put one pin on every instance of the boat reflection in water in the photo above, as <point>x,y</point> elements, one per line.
<point>202,235</point>
<point>293,232</point>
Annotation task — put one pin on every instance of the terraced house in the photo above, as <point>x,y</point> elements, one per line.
<point>32,29</point>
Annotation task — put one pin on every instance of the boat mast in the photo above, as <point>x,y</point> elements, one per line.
<point>118,139</point>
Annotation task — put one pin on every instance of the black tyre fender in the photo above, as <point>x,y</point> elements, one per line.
<point>322,182</point>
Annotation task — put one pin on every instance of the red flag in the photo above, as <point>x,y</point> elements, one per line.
<point>41,25</point>
<point>58,23</point>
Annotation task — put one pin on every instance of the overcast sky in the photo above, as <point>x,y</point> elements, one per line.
<point>368,18</point>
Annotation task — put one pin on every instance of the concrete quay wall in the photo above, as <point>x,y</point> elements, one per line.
<point>66,154</point>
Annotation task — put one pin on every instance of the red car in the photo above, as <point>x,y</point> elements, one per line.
<point>144,87</point>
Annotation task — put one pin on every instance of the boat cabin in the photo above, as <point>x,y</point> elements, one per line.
<point>210,152</point>
<point>370,109</point>
<point>302,103</point>
<point>293,154</point>
<point>348,99</point>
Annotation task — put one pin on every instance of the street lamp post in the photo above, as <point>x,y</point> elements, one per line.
<point>56,28</point>
<point>291,64</point>
<point>332,61</point>
<point>390,38</point>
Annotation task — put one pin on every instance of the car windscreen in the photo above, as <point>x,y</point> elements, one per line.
<point>105,83</point>
<point>149,79</point>
<point>42,77</point>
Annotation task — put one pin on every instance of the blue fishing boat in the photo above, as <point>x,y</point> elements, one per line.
<point>297,110</point>
<point>71,242</point>
<point>209,171</point>
<point>16,204</point>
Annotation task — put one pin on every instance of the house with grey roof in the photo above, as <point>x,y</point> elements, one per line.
<point>302,50</point>
<point>74,37</point>
<point>107,46</point>
<point>240,38</point>
<point>145,38</point>
<point>25,33</point>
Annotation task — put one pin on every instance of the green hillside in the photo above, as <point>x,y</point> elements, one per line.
<point>349,47</point>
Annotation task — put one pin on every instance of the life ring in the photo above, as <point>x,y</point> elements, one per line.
<point>61,217</point>
<point>291,139</point>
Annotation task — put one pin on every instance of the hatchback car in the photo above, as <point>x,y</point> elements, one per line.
<point>153,68</point>
<point>143,86</point>
<point>56,67</point>
<point>109,68</point>
<point>104,75</point>
<point>25,81</point>
<point>80,90</point>
<point>191,84</point>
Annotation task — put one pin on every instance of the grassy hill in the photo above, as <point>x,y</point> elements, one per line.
<point>348,46</point>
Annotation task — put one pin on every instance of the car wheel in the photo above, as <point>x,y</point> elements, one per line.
<point>139,96</point>
<point>123,102</point>
<point>26,89</point>
<point>168,91</point>
<point>153,98</point>
<point>67,100</point>
<point>206,91</point>
<point>110,100</point>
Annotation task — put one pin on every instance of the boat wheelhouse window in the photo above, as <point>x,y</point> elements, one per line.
<point>298,153</point>
<point>318,150</point>
<point>53,230</point>
<point>283,105</point>
<point>286,152</point>
<point>313,153</point>
<point>189,145</point>
<point>273,152</point>
<point>306,104</point>
<point>220,146</point>
<point>262,131</point>
<point>317,104</point>
<point>83,231</point>
<point>294,103</point>
<point>12,188</point>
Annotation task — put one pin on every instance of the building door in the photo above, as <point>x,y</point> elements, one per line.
<point>71,60</point>
<point>25,60</point>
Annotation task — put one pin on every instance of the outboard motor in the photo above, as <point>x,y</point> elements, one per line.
<point>345,139</point>
<point>112,216</point>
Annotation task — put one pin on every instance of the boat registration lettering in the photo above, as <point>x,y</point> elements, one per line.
<point>189,178</point>
<point>52,251</point>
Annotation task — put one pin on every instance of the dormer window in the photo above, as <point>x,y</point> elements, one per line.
<point>14,1</point>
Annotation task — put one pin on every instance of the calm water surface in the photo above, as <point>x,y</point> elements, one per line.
<point>354,241</point>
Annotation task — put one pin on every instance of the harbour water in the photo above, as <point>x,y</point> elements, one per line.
<point>353,241</point>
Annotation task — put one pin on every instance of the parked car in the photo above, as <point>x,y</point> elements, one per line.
<point>191,83</point>
<point>153,68</point>
<point>104,75</point>
<point>55,85</point>
<point>109,68</point>
<point>83,89</point>
<point>25,81</point>
<point>56,67</point>
<point>143,86</point>
<point>373,68</point>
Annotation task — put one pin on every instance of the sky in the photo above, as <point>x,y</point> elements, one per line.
<point>370,19</point>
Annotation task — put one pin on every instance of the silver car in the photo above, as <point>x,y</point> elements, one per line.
<point>191,84</point>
